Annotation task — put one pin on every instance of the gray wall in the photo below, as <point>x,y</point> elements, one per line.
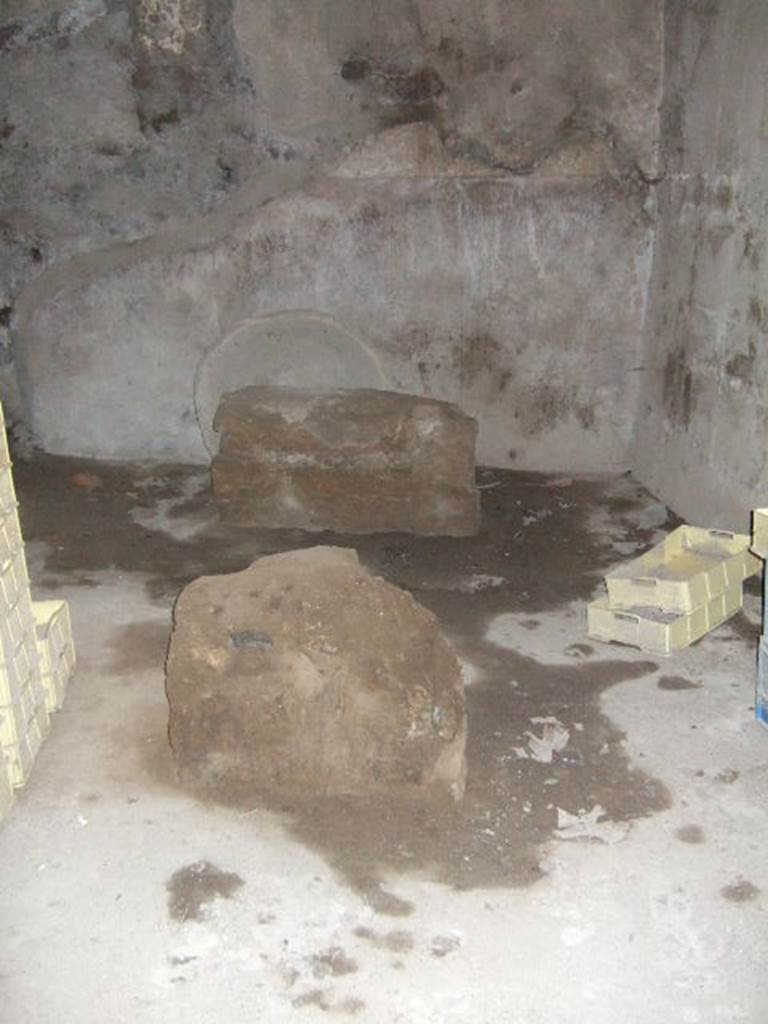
<point>703,430</point>
<point>456,193</point>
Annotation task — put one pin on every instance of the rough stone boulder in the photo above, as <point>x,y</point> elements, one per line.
<point>305,674</point>
<point>353,461</point>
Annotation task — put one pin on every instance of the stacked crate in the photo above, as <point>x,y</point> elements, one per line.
<point>57,652</point>
<point>760,548</point>
<point>36,650</point>
<point>676,593</point>
<point>23,713</point>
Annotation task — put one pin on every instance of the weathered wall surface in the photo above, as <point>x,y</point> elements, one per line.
<point>463,190</point>
<point>704,413</point>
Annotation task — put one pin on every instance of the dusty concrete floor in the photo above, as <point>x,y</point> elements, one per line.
<point>124,898</point>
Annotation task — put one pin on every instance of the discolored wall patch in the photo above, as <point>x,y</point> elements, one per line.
<point>678,388</point>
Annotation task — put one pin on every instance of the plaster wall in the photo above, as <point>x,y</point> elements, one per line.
<point>462,191</point>
<point>704,406</point>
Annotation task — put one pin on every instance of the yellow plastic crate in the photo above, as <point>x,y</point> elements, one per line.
<point>52,624</point>
<point>23,710</point>
<point>55,679</point>
<point>760,532</point>
<point>19,755</point>
<point>10,536</point>
<point>14,721</point>
<point>686,571</point>
<point>17,675</point>
<point>19,665</point>
<point>11,729</point>
<point>55,686</point>
<point>18,762</point>
<point>42,721</point>
<point>17,628</point>
<point>67,660</point>
<point>8,502</point>
<point>6,790</point>
<point>36,675</point>
<point>14,581</point>
<point>657,631</point>
<point>56,648</point>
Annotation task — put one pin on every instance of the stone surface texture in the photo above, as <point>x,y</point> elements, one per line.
<point>359,461</point>
<point>306,674</point>
<point>702,430</point>
<point>458,200</point>
<point>497,910</point>
<point>460,191</point>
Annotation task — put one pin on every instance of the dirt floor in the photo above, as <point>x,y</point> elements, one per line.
<point>125,898</point>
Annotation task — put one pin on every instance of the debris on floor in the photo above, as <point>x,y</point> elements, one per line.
<point>354,461</point>
<point>675,593</point>
<point>305,672</point>
<point>107,855</point>
<point>553,739</point>
<point>590,825</point>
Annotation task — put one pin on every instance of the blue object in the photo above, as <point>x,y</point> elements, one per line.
<point>761,693</point>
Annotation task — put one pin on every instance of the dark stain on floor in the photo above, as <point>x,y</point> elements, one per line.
<point>444,945</point>
<point>332,961</point>
<point>583,650</point>
<point>314,997</point>
<point>743,628</point>
<point>532,527</point>
<point>181,961</point>
<point>677,683</point>
<point>741,891</point>
<point>495,836</point>
<point>350,1006</point>
<point>139,647</point>
<point>91,529</point>
<point>396,941</point>
<point>321,1000</point>
<point>535,534</point>
<point>56,583</point>
<point>691,834</point>
<point>193,887</point>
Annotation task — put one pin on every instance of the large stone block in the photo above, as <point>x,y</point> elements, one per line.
<point>355,461</point>
<point>306,674</point>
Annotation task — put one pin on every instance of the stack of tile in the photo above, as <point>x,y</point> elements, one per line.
<point>675,593</point>
<point>36,649</point>
<point>23,713</point>
<point>760,548</point>
<point>57,652</point>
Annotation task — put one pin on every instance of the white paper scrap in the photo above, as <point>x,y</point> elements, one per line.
<point>553,739</point>
<point>588,825</point>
